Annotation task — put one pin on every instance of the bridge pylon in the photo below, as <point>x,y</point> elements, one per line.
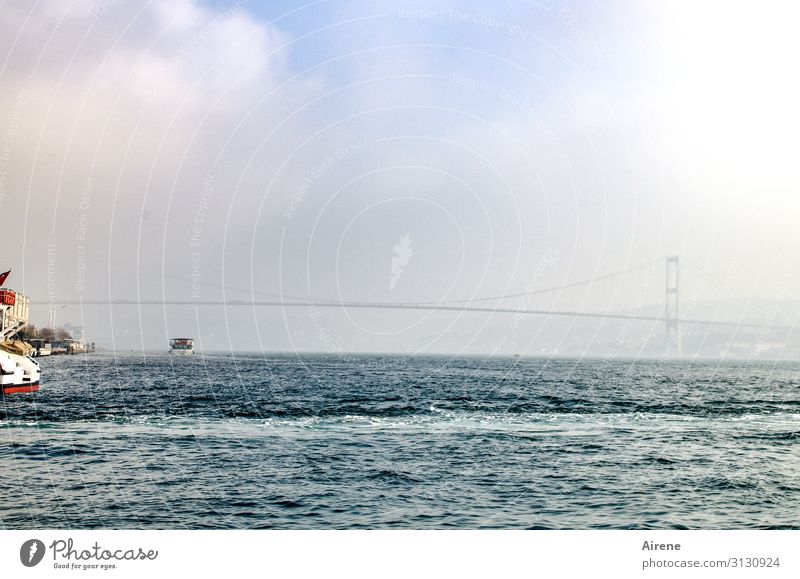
<point>671,308</point>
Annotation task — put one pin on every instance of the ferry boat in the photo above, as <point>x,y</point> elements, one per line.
<point>181,346</point>
<point>19,372</point>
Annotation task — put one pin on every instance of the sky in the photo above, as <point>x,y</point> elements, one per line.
<point>391,151</point>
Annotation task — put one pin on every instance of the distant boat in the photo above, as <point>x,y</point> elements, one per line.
<point>181,346</point>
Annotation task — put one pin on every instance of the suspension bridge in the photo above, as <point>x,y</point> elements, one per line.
<point>671,318</point>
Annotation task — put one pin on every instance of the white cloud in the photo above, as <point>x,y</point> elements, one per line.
<point>138,101</point>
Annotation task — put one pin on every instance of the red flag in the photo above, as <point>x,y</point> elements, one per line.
<point>3,277</point>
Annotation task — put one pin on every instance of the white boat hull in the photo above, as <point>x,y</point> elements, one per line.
<point>18,373</point>
<point>182,352</point>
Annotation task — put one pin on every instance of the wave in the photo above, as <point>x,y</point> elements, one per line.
<point>786,423</point>
<point>445,409</point>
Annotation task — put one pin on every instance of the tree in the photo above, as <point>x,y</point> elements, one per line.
<point>27,333</point>
<point>31,332</point>
<point>62,334</point>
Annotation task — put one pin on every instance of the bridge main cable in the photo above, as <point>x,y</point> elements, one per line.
<point>546,290</point>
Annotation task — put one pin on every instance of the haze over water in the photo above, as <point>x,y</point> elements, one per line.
<point>401,151</point>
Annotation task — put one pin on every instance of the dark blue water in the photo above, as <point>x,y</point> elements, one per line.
<point>391,442</point>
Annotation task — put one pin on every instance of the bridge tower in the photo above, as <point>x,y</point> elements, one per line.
<point>671,309</point>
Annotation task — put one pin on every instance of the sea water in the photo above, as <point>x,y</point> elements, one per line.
<point>343,441</point>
